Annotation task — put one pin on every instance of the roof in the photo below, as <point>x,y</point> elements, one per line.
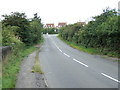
<point>81,23</point>
<point>50,24</point>
<point>62,23</point>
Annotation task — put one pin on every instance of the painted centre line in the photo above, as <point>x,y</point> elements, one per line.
<point>80,62</point>
<point>57,47</point>
<point>60,50</point>
<point>66,54</point>
<point>110,77</point>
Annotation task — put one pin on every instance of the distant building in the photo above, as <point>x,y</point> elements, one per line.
<point>50,25</point>
<point>82,23</point>
<point>62,24</point>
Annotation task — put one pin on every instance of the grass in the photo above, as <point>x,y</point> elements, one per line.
<point>36,67</point>
<point>0,75</point>
<point>11,67</point>
<point>78,47</point>
<point>89,50</point>
<point>0,39</point>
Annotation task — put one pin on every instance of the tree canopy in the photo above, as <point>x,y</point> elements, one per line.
<point>26,30</point>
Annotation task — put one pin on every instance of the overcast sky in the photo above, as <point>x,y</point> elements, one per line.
<point>54,11</point>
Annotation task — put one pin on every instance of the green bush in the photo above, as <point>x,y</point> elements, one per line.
<point>29,32</point>
<point>0,34</point>
<point>50,30</point>
<point>35,31</point>
<point>101,33</point>
<point>19,33</point>
<point>9,38</point>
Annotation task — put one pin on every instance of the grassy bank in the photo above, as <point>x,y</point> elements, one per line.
<point>0,75</point>
<point>11,65</point>
<point>89,50</point>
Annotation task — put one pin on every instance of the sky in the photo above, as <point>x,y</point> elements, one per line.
<point>54,11</point>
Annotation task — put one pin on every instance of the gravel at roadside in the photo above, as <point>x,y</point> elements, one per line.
<point>27,79</point>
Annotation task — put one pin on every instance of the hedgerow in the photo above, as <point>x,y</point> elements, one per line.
<point>102,32</point>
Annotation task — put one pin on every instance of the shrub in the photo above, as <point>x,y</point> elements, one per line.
<point>102,32</point>
<point>9,38</point>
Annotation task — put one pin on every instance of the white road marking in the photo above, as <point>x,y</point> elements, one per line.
<point>110,77</point>
<point>85,66</point>
<point>58,47</point>
<point>80,62</point>
<point>60,50</point>
<point>66,54</point>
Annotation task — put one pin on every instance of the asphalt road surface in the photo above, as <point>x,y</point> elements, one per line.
<point>66,67</point>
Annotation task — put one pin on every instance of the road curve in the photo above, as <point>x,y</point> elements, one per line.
<point>65,67</point>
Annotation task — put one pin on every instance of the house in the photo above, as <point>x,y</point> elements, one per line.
<point>50,25</point>
<point>81,23</point>
<point>61,24</point>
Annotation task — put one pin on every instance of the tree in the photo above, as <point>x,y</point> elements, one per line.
<point>19,20</point>
<point>103,32</point>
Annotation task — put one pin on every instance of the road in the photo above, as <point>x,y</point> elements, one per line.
<point>66,67</point>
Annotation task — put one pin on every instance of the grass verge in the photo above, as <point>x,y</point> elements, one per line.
<point>10,68</point>
<point>11,65</point>
<point>36,67</point>
<point>78,47</point>
<point>0,75</point>
<point>89,50</point>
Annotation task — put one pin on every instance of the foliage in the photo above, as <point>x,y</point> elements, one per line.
<point>0,74</point>
<point>8,36</point>
<point>35,27</point>
<point>102,33</point>
<point>20,33</point>
<point>19,20</point>
<point>50,30</point>
<point>80,47</point>
<point>69,32</point>
<point>36,67</point>
<point>0,33</point>
<point>26,30</point>
<point>11,67</point>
